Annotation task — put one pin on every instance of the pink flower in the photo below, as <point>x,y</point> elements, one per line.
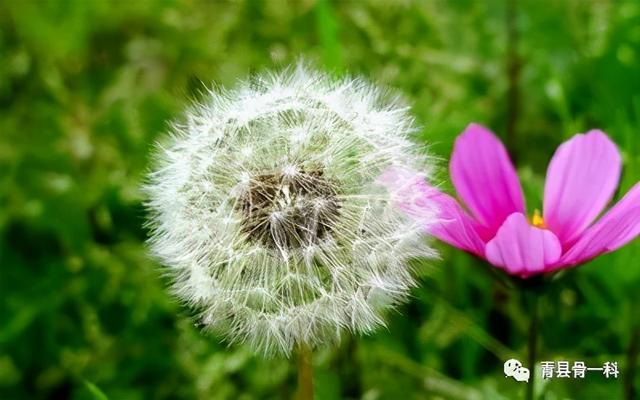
<point>581,180</point>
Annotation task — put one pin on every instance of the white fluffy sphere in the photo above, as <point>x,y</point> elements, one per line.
<point>267,212</point>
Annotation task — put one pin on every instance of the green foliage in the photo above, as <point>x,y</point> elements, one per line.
<point>95,391</point>
<point>87,87</point>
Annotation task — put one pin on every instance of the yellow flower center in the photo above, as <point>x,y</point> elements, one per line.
<point>537,220</point>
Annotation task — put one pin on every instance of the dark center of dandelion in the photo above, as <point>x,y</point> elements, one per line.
<point>288,209</point>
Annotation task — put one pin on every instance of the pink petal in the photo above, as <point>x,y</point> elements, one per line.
<point>440,213</point>
<point>410,192</point>
<point>522,249</point>
<point>455,227</point>
<point>616,228</point>
<point>485,178</point>
<point>581,180</point>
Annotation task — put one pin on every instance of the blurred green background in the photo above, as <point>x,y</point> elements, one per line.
<point>86,88</point>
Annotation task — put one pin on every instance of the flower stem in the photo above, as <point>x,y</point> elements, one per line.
<point>532,345</point>
<point>305,373</point>
<point>630,391</point>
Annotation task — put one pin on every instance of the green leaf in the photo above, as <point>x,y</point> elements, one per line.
<point>95,391</point>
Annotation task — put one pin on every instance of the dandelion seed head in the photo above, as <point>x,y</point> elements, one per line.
<point>266,210</point>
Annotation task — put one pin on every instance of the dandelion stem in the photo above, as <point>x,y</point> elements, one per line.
<point>532,345</point>
<point>305,373</point>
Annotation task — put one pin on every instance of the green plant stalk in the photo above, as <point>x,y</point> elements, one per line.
<point>305,373</point>
<point>630,390</point>
<point>532,344</point>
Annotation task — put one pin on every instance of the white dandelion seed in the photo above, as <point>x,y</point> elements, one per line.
<point>266,209</point>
